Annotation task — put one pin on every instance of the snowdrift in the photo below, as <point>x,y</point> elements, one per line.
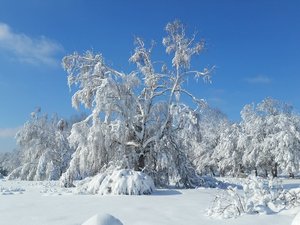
<point>102,219</point>
<point>296,220</point>
<point>117,182</point>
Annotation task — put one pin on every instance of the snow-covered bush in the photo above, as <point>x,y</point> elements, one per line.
<point>228,204</point>
<point>117,182</point>
<point>11,190</point>
<point>258,196</point>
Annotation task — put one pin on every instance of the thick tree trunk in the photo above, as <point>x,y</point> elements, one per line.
<point>140,164</point>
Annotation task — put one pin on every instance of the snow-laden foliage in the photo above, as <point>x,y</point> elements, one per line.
<point>134,116</point>
<point>212,123</point>
<point>117,182</point>
<point>226,153</point>
<point>101,138</point>
<point>266,141</point>
<point>271,137</point>
<point>44,149</point>
<point>9,161</point>
<point>258,196</point>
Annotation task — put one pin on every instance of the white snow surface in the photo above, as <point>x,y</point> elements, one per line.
<point>296,220</point>
<point>46,203</point>
<point>102,219</point>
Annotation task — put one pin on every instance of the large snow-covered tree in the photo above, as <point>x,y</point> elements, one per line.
<point>132,121</point>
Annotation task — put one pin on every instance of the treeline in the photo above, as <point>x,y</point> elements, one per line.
<point>43,151</point>
<point>265,142</point>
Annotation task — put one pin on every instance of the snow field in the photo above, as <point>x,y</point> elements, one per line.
<point>45,203</point>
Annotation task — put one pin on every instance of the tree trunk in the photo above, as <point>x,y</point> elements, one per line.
<point>140,164</point>
<point>212,171</point>
<point>256,174</point>
<point>240,170</point>
<point>275,170</point>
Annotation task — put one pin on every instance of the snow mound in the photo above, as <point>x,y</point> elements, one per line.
<point>102,219</point>
<point>117,182</point>
<point>263,209</point>
<point>296,220</point>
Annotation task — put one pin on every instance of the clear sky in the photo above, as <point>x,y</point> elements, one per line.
<point>255,46</point>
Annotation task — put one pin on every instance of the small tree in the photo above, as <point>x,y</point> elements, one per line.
<point>131,116</point>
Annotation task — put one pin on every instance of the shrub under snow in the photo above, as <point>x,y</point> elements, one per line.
<point>259,196</point>
<point>117,182</point>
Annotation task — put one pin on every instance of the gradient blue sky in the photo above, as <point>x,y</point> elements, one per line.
<point>255,46</point>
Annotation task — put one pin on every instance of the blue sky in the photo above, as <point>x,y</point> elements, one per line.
<point>255,46</point>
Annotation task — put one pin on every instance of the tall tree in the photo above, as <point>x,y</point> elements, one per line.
<point>131,114</point>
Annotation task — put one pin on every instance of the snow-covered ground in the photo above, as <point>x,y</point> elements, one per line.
<point>44,203</point>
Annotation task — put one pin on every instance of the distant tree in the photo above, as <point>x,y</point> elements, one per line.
<point>271,137</point>
<point>212,123</point>
<point>44,149</point>
<point>9,161</point>
<point>131,120</point>
<point>227,153</point>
